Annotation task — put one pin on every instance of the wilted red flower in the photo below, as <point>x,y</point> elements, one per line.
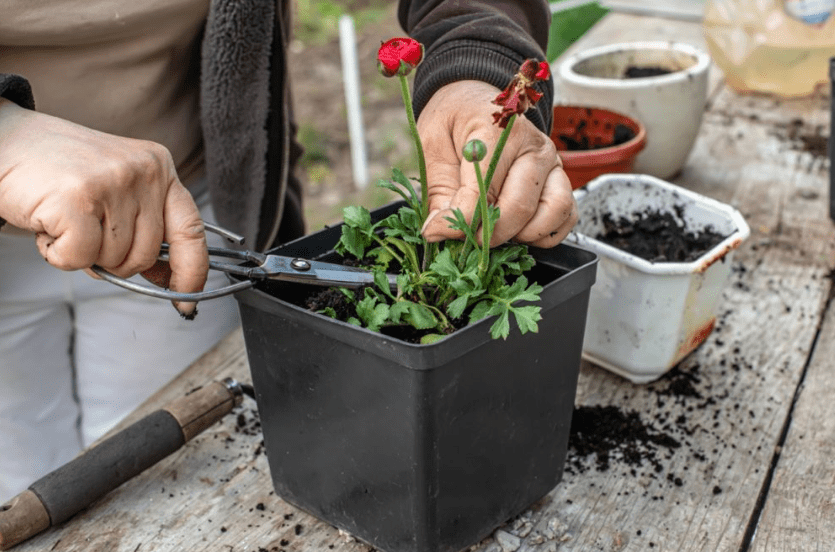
<point>520,95</point>
<point>398,56</point>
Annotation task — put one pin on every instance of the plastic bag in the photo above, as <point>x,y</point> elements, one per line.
<point>779,47</point>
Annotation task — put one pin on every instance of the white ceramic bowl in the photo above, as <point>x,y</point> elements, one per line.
<point>644,317</point>
<point>670,106</point>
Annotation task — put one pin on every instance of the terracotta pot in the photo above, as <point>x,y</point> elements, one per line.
<point>670,105</point>
<point>594,126</point>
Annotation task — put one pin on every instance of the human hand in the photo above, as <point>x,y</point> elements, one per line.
<point>529,186</point>
<point>95,198</point>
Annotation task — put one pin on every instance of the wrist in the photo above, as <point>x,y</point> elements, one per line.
<point>8,113</point>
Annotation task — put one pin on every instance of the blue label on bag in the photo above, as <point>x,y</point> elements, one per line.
<point>811,12</point>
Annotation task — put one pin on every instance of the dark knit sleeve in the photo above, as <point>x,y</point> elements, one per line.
<point>479,40</point>
<point>16,89</point>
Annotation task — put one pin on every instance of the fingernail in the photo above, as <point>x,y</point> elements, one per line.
<point>188,311</point>
<point>432,214</point>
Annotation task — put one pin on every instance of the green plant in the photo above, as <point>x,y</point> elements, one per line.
<point>442,287</point>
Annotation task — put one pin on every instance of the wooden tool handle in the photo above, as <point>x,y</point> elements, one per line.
<point>62,493</point>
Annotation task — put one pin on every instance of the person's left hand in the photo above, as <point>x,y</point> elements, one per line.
<point>529,186</point>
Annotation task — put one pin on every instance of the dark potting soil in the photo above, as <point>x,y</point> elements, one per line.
<point>639,72</point>
<point>335,299</point>
<point>610,434</point>
<point>657,237</point>
<point>580,140</point>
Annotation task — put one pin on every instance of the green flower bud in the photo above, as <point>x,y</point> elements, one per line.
<point>474,150</point>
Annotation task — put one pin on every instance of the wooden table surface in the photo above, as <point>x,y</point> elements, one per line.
<point>752,410</point>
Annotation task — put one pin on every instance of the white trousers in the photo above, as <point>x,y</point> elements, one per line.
<point>78,354</point>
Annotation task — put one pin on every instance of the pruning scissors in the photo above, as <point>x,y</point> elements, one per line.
<point>266,267</point>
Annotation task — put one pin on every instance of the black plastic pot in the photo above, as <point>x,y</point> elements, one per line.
<point>416,447</point>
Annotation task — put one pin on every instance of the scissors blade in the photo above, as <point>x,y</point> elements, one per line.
<point>320,273</point>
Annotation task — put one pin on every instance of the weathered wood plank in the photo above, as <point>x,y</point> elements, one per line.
<point>799,513</point>
<point>214,494</point>
<point>726,404</point>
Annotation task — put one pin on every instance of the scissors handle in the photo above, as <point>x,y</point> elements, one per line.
<point>198,296</point>
<point>255,267</point>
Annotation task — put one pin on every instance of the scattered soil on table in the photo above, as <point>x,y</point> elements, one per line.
<point>610,434</point>
<point>658,237</point>
<point>582,140</point>
<point>815,143</point>
<point>610,437</point>
<point>640,72</point>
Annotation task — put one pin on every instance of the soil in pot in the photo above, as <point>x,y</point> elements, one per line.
<point>581,140</point>
<point>658,236</point>
<point>640,72</point>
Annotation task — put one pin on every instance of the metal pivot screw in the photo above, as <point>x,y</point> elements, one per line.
<point>300,264</point>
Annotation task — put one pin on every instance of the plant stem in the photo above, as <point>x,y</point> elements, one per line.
<point>491,169</point>
<point>497,153</point>
<point>410,114</point>
<point>484,260</point>
<point>429,250</point>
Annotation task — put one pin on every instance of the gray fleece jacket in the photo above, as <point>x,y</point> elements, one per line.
<point>246,109</point>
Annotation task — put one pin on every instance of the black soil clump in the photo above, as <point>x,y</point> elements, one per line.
<point>334,299</point>
<point>608,433</point>
<point>635,72</point>
<point>657,237</point>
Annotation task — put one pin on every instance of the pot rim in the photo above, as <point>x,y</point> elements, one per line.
<point>611,154</point>
<point>716,253</point>
<point>567,73</point>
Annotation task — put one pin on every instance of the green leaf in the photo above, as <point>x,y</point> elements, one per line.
<point>398,176</point>
<point>353,241</point>
<point>481,310</point>
<point>527,318</point>
<point>444,265</point>
<point>460,223</point>
<point>404,284</point>
<point>428,339</point>
<point>328,311</point>
<point>397,310</point>
<point>381,281</point>
<point>357,217</point>
<point>419,316</point>
<point>520,291</point>
<point>388,185</point>
<point>501,327</point>
<point>456,308</point>
<point>372,313</point>
<point>382,256</point>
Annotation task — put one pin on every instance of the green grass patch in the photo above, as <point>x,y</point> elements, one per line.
<point>317,21</point>
<point>568,26</point>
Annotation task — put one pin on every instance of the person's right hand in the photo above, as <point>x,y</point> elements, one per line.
<point>95,198</point>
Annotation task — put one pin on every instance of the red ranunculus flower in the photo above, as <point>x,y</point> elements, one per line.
<point>520,95</point>
<point>398,56</point>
